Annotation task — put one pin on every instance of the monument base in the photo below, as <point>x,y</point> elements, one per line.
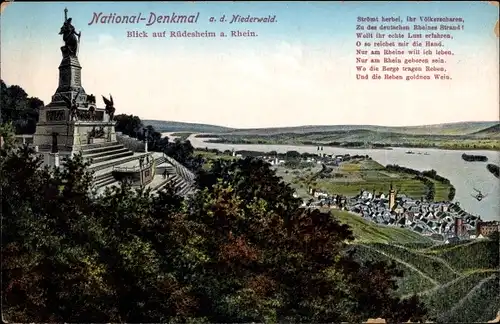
<point>72,136</point>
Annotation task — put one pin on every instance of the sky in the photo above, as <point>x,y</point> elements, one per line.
<point>299,70</point>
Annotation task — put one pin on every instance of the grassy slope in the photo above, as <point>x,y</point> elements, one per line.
<point>366,231</point>
<point>493,131</point>
<point>458,283</point>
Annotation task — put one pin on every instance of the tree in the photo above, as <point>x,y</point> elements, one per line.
<point>451,193</point>
<point>431,191</point>
<point>181,151</point>
<point>280,262</point>
<point>19,109</point>
<point>239,250</point>
<point>128,124</point>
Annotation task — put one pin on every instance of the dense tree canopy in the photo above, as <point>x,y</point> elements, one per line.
<point>239,250</point>
<point>19,109</point>
<point>181,151</point>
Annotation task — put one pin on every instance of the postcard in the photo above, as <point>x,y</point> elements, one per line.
<point>241,161</point>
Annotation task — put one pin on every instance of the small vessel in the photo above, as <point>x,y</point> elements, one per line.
<point>474,158</point>
<point>494,169</point>
<point>409,152</point>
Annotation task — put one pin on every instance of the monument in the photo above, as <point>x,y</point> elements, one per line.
<point>72,114</point>
<point>73,124</point>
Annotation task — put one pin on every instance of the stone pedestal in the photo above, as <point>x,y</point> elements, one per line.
<point>54,160</point>
<point>70,82</point>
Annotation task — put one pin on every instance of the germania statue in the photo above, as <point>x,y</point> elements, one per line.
<point>70,37</point>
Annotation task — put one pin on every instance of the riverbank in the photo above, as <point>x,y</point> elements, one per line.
<point>464,144</point>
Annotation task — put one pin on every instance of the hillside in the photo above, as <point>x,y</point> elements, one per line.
<point>460,128</point>
<point>493,131</point>
<point>458,283</point>
<point>366,231</point>
<point>173,126</point>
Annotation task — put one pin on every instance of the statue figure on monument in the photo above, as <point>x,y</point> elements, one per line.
<point>72,105</point>
<point>110,108</point>
<point>92,113</point>
<point>70,37</point>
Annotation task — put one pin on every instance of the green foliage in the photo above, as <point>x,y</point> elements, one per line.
<point>410,282</point>
<point>445,297</point>
<point>19,109</point>
<point>435,268</point>
<point>239,250</point>
<point>474,255</point>
<point>180,150</point>
<point>452,288</point>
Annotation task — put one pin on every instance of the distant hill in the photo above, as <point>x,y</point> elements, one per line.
<point>460,128</point>
<point>173,126</point>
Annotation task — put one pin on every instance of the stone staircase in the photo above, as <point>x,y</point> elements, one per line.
<point>105,156</point>
<point>179,176</point>
<point>102,152</point>
<point>103,180</point>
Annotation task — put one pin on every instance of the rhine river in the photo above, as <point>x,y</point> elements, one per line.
<point>448,163</point>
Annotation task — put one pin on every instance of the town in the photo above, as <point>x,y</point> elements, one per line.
<point>442,221</point>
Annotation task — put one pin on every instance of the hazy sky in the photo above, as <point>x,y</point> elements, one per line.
<point>298,71</point>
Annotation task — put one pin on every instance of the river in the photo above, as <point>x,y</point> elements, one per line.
<point>465,176</point>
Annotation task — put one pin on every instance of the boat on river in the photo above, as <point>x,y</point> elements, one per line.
<point>494,169</point>
<point>474,158</point>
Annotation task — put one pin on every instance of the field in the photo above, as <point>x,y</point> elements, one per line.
<point>351,177</point>
<point>458,283</point>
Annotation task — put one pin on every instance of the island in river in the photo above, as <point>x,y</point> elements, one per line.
<point>474,158</point>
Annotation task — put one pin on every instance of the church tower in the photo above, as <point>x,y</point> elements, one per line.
<point>392,198</point>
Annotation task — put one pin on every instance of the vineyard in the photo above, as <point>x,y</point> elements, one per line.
<point>458,283</point>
